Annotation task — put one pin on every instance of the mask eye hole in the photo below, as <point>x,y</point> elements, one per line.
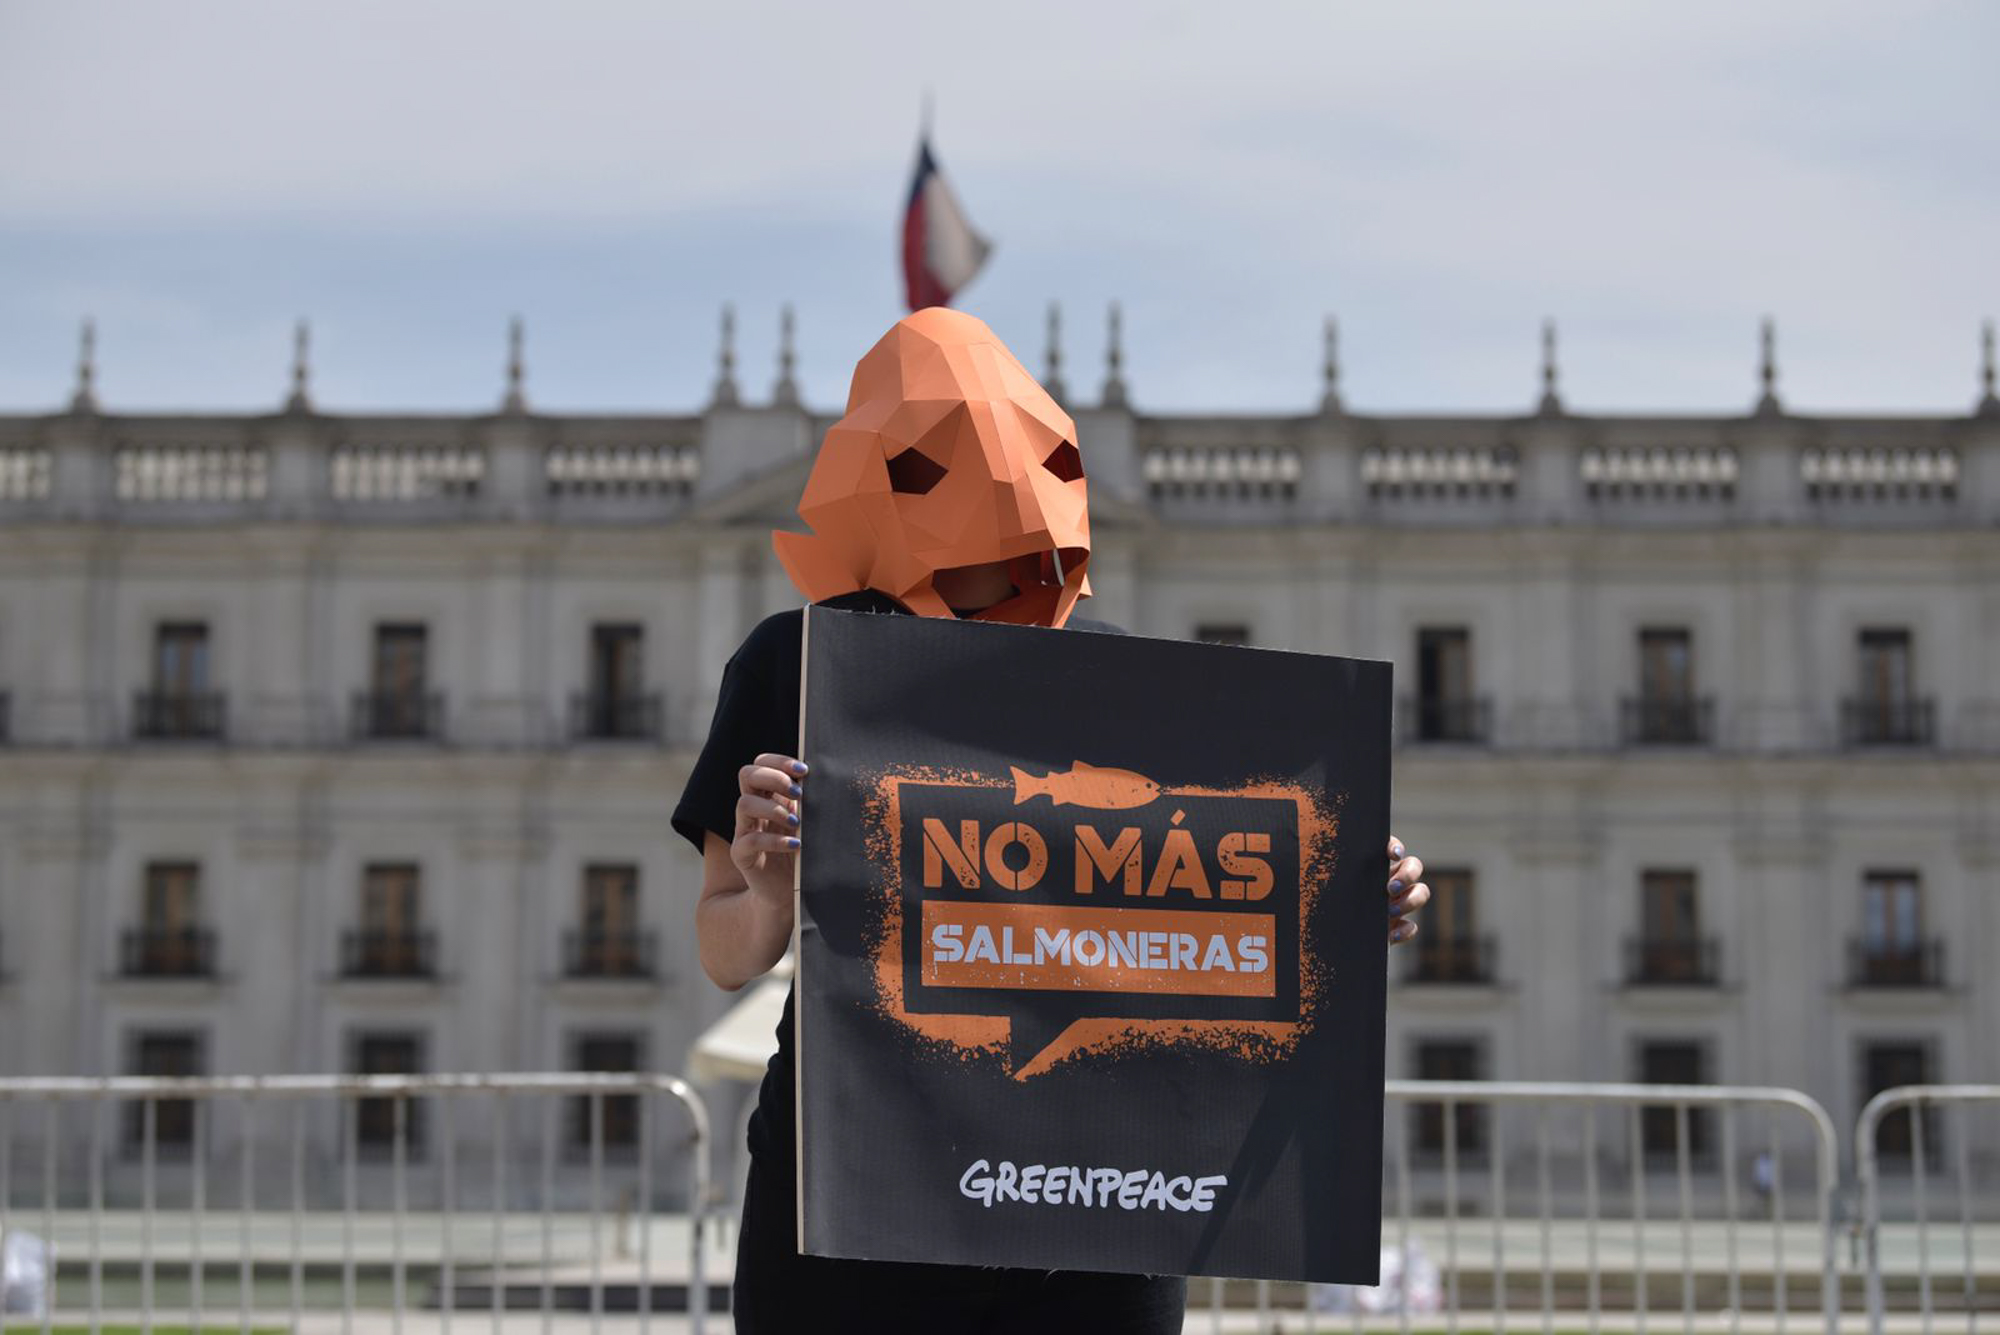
<point>913,473</point>
<point>1065,462</point>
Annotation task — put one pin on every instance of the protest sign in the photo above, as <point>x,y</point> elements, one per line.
<point>1091,951</point>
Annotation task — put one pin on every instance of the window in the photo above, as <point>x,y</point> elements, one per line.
<point>1886,1066</point>
<point>1670,947</point>
<point>164,1054</point>
<point>1672,1062</point>
<point>375,1118</point>
<point>1446,710</point>
<point>1222,633</point>
<point>169,940</point>
<point>1449,1059</point>
<point>610,942</point>
<point>1885,666</point>
<point>397,699</point>
<point>1449,949</point>
<point>1892,912</point>
<point>1667,709</point>
<point>180,658</point>
<point>1892,950</point>
<point>616,704</point>
<point>391,940</point>
<point>1885,709</point>
<point>618,1114</point>
<point>179,702</point>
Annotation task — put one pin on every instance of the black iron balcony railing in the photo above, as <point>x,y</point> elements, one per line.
<point>1895,963</point>
<point>624,718</point>
<point>373,953</point>
<point>394,715</point>
<point>1667,720</point>
<point>177,715</point>
<point>1451,959</point>
<point>1465,719</point>
<point>627,954</point>
<point>1673,961</point>
<point>167,952</point>
<point>6,717</point>
<point>1875,721</point>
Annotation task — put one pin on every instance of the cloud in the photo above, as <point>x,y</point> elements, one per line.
<point>1655,174</point>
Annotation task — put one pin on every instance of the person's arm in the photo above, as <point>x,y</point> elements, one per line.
<point>743,920</point>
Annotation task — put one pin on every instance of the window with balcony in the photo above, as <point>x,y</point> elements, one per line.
<point>1445,709</point>
<point>608,941</point>
<point>179,702</point>
<point>1449,1059</point>
<point>169,941</point>
<point>1889,1065</point>
<point>1667,711</point>
<point>391,940</point>
<point>1671,947</point>
<point>1222,633</point>
<point>1885,709</point>
<point>616,1123</point>
<point>616,705</point>
<point>376,1117</point>
<point>399,702</point>
<point>1450,949</point>
<point>1893,949</point>
<point>165,1054</point>
<point>1672,1062</point>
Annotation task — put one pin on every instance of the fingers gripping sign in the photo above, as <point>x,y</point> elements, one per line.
<point>767,822</point>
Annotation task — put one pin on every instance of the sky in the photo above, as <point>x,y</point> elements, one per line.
<point>1440,177</point>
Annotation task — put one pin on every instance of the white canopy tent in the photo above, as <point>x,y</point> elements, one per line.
<point>737,1046</point>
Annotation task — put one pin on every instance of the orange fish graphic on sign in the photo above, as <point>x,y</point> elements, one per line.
<point>1086,785</point>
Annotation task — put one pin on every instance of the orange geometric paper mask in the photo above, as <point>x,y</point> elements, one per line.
<point>950,455</point>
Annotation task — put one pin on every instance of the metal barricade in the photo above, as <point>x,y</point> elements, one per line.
<point>1923,1146</point>
<point>287,1192</point>
<point>1592,1205</point>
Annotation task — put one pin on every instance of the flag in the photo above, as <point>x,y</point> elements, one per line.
<point>941,251</point>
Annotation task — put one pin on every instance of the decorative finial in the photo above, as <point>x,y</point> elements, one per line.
<point>1329,371</point>
<point>516,400</point>
<point>1114,395</point>
<point>786,391</point>
<point>1052,379</point>
<point>1767,369</point>
<point>1551,400</point>
<point>85,398</point>
<point>1989,405</point>
<point>726,395</point>
<point>300,401</point>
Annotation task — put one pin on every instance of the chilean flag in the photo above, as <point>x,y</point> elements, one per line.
<point>941,252</point>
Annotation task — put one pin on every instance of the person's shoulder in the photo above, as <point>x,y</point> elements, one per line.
<point>770,642</point>
<point>776,639</point>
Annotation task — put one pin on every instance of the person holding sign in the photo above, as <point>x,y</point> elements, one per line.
<point>952,487</point>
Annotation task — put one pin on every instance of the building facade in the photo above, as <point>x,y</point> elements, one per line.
<point>333,742</point>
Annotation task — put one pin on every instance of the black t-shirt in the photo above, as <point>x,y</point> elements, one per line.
<point>757,710</point>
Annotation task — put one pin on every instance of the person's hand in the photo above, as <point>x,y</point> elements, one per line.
<point>1407,894</point>
<point>767,825</point>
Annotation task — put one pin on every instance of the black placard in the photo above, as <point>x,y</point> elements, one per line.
<point>1091,951</point>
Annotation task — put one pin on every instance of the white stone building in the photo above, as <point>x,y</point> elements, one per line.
<point>338,742</point>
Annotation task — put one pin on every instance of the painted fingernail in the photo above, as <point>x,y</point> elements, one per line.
<point>798,767</point>
<point>792,816</point>
<point>1395,850</point>
<point>791,843</point>
<point>798,791</point>
<point>1395,887</point>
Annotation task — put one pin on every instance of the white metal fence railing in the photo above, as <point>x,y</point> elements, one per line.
<point>485,1198</point>
<point>459,1195</point>
<point>1565,1204</point>
<point>1900,1139</point>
